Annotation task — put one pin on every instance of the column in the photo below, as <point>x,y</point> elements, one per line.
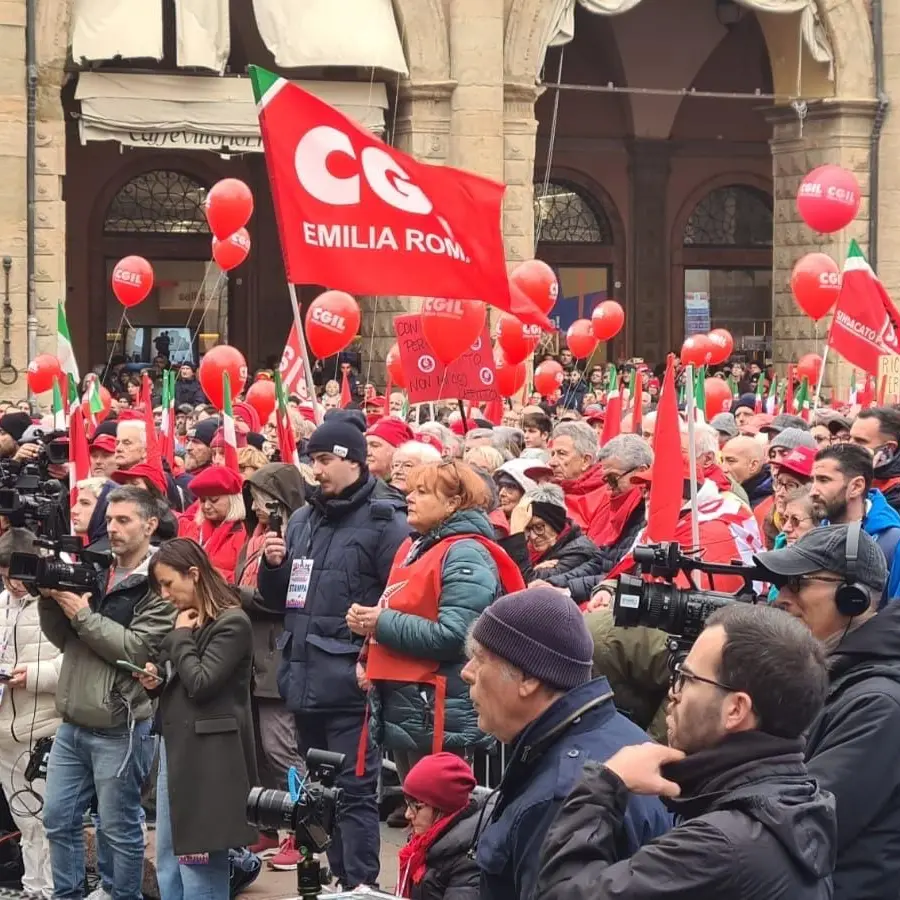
<point>648,313</point>
<point>520,130</point>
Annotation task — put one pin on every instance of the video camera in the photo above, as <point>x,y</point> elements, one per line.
<point>681,613</point>
<point>53,572</point>
<point>29,494</point>
<point>312,816</point>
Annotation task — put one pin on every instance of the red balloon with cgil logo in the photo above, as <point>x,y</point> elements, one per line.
<point>510,376</point>
<point>262,396</point>
<point>696,351</point>
<point>229,205</point>
<point>452,326</point>
<point>132,280</point>
<point>816,284</point>
<point>230,252</point>
<point>223,358</point>
<point>332,322</point>
<point>718,396</point>
<point>538,282</point>
<point>43,371</point>
<point>548,377</point>
<point>395,366</point>
<point>607,320</point>
<point>828,199</point>
<point>722,345</point>
<point>517,339</point>
<point>809,366</point>
<point>580,339</point>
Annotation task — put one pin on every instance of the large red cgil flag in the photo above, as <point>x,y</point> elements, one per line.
<point>361,216</point>
<point>666,487</point>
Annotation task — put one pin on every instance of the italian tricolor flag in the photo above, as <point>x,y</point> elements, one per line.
<point>612,424</point>
<point>167,424</point>
<point>287,446</point>
<point>231,457</point>
<point>64,352</point>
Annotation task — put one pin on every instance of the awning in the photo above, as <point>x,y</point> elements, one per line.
<point>182,112</point>
<point>131,29</point>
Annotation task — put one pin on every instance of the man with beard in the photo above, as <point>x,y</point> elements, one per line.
<point>878,430</point>
<point>337,550</point>
<point>573,459</point>
<point>753,823</point>
<point>832,579</point>
<point>842,492</point>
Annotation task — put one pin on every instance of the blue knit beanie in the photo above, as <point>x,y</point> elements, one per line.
<point>542,632</point>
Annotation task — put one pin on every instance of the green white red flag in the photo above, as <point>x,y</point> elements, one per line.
<point>167,423</point>
<point>287,446</point>
<point>64,352</point>
<point>228,428</point>
<point>760,394</point>
<point>612,424</point>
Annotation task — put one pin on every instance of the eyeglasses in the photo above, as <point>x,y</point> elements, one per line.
<point>793,522</point>
<point>414,806</point>
<point>786,486</point>
<point>796,583</point>
<point>537,530</point>
<point>613,478</point>
<point>681,674</point>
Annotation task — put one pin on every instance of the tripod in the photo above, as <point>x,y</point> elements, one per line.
<point>309,875</point>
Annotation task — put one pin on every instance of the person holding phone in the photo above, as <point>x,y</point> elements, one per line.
<point>207,762</point>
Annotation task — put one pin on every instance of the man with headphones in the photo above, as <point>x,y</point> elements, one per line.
<point>832,579</point>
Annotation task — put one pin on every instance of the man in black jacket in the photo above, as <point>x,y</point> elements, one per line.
<point>753,824</point>
<point>878,430</point>
<point>851,747</point>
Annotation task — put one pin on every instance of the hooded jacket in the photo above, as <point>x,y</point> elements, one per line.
<point>882,522</point>
<point>887,480</point>
<point>754,825</point>
<point>851,750</point>
<point>758,487</point>
<point>571,550</point>
<point>587,499</point>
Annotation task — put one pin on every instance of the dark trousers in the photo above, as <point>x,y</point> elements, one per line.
<point>353,854</point>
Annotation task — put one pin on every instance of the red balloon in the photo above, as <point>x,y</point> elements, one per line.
<point>538,282</point>
<point>816,284</point>
<point>517,339</point>
<point>43,371</point>
<point>229,205</point>
<point>580,339</point>
<point>722,345</point>
<point>718,396</point>
<point>809,366</point>
<point>263,398</point>
<point>510,376</point>
<point>395,366</point>
<point>452,326</point>
<point>696,350</point>
<point>232,251</point>
<point>828,199</point>
<point>223,358</point>
<point>105,399</point>
<point>332,321</point>
<point>132,280</point>
<point>607,320</point>
<point>548,377</point>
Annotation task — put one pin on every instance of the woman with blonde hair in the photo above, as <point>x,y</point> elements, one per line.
<point>206,752</point>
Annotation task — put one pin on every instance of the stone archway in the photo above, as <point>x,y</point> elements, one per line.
<point>423,31</point>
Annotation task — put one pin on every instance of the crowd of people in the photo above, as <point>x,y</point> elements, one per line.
<point>427,586</point>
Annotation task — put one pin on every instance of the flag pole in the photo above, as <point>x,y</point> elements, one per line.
<point>692,460</point>
<point>304,352</point>
<point>819,381</point>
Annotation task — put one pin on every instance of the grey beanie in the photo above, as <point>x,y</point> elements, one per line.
<point>793,437</point>
<point>542,632</point>
<point>725,424</point>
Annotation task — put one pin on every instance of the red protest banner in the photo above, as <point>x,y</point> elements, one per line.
<point>471,377</point>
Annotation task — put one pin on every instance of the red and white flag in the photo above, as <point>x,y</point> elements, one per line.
<point>293,377</point>
<point>79,455</point>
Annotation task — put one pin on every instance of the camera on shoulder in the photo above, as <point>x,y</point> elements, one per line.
<point>67,566</point>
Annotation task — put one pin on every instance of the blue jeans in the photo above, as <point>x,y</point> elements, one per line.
<point>113,764</point>
<point>202,880</point>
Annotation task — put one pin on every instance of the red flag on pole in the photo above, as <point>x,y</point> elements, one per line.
<point>79,455</point>
<point>346,396</point>
<point>789,408</point>
<point>293,378</point>
<point>154,453</point>
<point>666,486</point>
<point>637,411</point>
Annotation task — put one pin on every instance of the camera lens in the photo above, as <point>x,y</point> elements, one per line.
<point>269,809</point>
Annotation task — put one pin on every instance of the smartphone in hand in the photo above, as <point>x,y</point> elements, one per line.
<point>137,670</point>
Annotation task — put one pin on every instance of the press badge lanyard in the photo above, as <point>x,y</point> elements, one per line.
<point>301,574</point>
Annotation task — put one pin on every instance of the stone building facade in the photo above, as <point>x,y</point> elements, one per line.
<point>479,94</point>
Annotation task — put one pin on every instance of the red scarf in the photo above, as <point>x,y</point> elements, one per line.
<point>534,557</point>
<point>411,858</point>
<point>621,507</point>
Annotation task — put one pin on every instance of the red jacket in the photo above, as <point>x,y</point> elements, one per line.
<point>222,543</point>
<point>587,499</point>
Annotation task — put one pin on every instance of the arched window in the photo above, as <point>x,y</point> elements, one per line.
<point>734,217</point>
<point>158,202</point>
<point>563,215</point>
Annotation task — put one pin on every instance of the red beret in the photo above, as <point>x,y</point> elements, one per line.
<point>442,780</point>
<point>456,426</point>
<point>152,474</point>
<point>391,430</point>
<point>247,414</point>
<point>216,481</point>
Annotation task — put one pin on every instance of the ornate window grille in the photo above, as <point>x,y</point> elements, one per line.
<point>731,217</point>
<point>562,215</point>
<point>158,202</point>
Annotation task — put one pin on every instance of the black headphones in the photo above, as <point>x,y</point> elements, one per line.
<point>851,599</point>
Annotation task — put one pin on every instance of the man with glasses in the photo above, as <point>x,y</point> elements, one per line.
<point>753,823</point>
<point>842,492</point>
<point>832,580</point>
<point>785,441</point>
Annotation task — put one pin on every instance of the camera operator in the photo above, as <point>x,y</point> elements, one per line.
<point>832,580</point>
<point>12,426</point>
<point>753,823</point>
<point>104,744</point>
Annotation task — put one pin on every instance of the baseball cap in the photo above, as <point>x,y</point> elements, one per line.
<point>785,420</point>
<point>799,461</point>
<point>106,443</point>
<point>825,550</point>
<point>724,423</point>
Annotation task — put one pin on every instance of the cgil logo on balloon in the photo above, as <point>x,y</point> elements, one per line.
<point>329,319</point>
<point>814,189</point>
<point>125,277</point>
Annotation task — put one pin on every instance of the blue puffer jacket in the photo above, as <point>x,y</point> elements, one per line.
<point>882,523</point>
<point>352,540</point>
<point>403,714</point>
<point>545,763</point>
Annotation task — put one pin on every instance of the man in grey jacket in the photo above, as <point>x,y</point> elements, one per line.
<point>104,745</point>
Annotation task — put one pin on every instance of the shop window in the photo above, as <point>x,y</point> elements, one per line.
<point>158,202</point>
<point>562,215</point>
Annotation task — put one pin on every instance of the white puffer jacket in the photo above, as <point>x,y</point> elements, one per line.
<point>28,713</point>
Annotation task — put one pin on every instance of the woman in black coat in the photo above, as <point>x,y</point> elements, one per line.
<point>207,763</point>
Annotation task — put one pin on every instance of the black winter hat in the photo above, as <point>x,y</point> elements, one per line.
<point>745,401</point>
<point>107,426</point>
<point>15,424</point>
<point>205,430</point>
<point>341,437</point>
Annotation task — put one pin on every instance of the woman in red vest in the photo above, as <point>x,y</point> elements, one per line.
<point>439,584</point>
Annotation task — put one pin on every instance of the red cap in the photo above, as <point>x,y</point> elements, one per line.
<point>216,481</point>
<point>391,430</point>
<point>106,443</point>
<point>594,414</point>
<point>130,415</point>
<point>142,470</point>
<point>423,437</point>
<point>248,415</point>
<point>756,423</point>
<point>377,400</point>
<point>442,780</point>
<point>240,434</point>
<point>456,426</point>
<point>799,461</point>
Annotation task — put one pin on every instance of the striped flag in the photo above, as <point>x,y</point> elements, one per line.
<point>167,424</point>
<point>612,424</point>
<point>803,400</point>
<point>231,457</point>
<point>760,388</point>
<point>287,446</point>
<point>94,403</point>
<point>79,456</point>
<point>700,395</point>
<point>772,398</point>
<point>64,352</point>
<point>60,411</point>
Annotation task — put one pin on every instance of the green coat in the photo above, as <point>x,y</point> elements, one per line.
<point>636,663</point>
<point>403,713</point>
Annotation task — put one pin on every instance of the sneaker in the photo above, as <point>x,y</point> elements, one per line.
<point>287,857</point>
<point>267,845</point>
<point>98,894</point>
<point>397,818</point>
